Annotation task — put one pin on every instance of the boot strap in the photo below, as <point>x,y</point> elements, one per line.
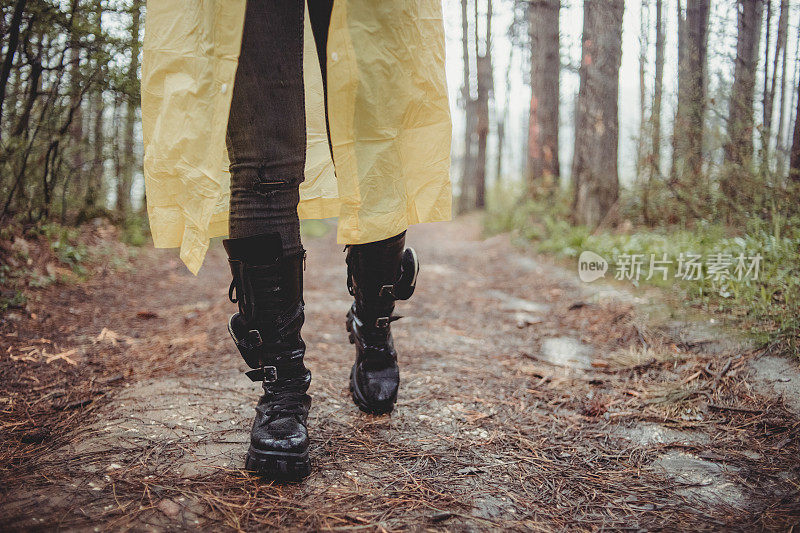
<point>387,290</point>
<point>251,341</point>
<point>406,282</point>
<point>403,287</point>
<point>252,347</point>
<point>240,290</point>
<point>384,321</point>
<point>278,370</point>
<point>268,374</point>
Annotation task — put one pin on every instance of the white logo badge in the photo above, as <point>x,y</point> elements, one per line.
<point>591,266</point>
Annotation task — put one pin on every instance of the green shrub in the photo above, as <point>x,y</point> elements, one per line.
<point>12,299</point>
<point>135,230</point>
<point>768,307</point>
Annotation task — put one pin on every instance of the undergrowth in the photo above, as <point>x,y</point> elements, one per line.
<point>135,230</point>
<point>767,306</point>
<point>34,256</point>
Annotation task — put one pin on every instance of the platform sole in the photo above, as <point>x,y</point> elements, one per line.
<point>278,465</point>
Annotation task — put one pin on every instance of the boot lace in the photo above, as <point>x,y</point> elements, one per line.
<point>285,398</point>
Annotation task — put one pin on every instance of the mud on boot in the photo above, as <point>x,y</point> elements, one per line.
<point>268,288</point>
<point>378,274</point>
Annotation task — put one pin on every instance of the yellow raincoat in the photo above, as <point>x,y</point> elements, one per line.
<point>387,106</point>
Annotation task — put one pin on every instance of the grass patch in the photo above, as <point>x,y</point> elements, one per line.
<point>71,253</point>
<point>135,230</point>
<point>11,299</point>
<point>714,259</point>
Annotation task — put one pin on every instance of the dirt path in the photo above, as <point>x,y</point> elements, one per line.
<point>528,401</point>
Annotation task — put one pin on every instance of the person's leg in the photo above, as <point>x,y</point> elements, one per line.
<point>266,145</point>
<point>378,274</point>
<point>266,127</point>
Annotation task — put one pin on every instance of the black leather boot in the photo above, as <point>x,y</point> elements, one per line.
<point>269,290</point>
<point>378,274</point>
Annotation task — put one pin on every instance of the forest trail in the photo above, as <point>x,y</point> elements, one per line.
<point>528,402</point>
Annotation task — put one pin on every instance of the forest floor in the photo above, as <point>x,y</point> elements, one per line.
<point>529,401</point>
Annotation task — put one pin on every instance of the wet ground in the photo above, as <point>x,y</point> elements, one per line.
<point>529,401</point>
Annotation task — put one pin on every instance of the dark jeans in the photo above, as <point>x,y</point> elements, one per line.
<point>266,134</point>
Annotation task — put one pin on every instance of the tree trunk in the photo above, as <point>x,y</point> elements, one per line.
<point>739,148</point>
<point>543,117</point>
<point>501,135</point>
<point>644,46</point>
<point>687,136</point>
<point>469,121</point>
<point>794,159</point>
<point>32,86</point>
<point>594,170</point>
<point>482,105</point>
<point>768,93</point>
<point>117,158</point>
<point>793,95</point>
<point>126,179</point>
<point>681,23</point>
<point>95,182</point>
<point>8,60</point>
<point>654,168</point>
<point>501,122</point>
<point>658,87</point>
<point>783,36</point>
<point>76,97</point>
<point>485,86</point>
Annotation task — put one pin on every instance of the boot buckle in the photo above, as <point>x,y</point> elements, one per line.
<point>265,373</point>
<point>387,290</point>
<point>384,321</point>
<point>270,374</point>
<point>255,338</point>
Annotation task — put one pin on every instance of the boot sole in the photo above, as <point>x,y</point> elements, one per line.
<point>278,465</point>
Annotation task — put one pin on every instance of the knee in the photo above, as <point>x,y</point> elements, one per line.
<point>270,186</point>
<point>250,180</point>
